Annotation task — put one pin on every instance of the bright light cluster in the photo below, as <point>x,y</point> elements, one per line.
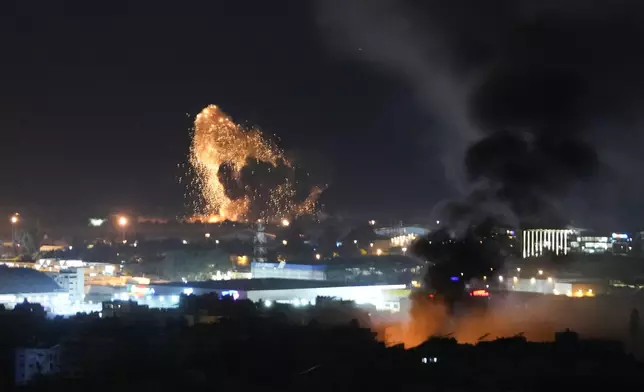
<point>404,240</point>
<point>218,141</point>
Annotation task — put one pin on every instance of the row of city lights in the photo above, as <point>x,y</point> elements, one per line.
<point>515,279</point>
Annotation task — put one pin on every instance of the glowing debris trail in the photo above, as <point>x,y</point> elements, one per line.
<point>219,141</point>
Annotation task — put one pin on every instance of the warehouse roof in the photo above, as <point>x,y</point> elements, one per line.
<point>258,284</point>
<point>25,280</point>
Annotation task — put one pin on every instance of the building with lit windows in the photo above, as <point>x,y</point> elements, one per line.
<point>72,281</point>
<point>537,242</point>
<point>621,243</point>
<point>590,244</point>
<point>616,243</point>
<point>400,237</point>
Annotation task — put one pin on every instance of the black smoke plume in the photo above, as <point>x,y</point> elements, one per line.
<point>537,101</point>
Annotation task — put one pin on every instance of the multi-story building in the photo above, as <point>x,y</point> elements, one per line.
<point>32,362</point>
<point>621,243</point>
<point>72,281</point>
<point>590,244</point>
<point>616,243</point>
<point>536,242</point>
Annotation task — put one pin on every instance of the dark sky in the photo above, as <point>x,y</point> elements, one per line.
<point>97,99</point>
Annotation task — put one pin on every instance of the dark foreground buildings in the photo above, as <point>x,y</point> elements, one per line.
<point>212,343</point>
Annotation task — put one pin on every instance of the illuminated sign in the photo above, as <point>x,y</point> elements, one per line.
<point>620,236</point>
<point>454,278</point>
<point>480,293</point>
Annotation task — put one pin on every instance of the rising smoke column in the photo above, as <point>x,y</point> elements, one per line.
<point>534,98</point>
<point>242,175</point>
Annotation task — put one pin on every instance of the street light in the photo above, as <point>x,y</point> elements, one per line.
<point>123,221</point>
<point>285,223</point>
<point>284,242</point>
<point>318,256</point>
<point>14,221</point>
<point>207,235</point>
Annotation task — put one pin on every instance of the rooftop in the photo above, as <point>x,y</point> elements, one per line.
<point>25,280</point>
<point>399,261</point>
<point>258,284</point>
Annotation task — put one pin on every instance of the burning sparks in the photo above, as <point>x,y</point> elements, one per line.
<point>218,143</point>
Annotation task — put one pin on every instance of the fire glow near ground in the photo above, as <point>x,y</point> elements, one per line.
<point>241,175</point>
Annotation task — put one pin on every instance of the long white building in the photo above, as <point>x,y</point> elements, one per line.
<point>537,241</point>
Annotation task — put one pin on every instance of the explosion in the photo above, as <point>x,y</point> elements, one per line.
<point>224,153</point>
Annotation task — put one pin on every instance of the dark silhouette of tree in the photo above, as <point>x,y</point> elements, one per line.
<point>34,310</point>
<point>327,242</point>
<point>295,248</point>
<point>362,233</point>
<point>634,326</point>
<point>189,263</point>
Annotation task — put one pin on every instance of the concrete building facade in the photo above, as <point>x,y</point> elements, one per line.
<point>32,362</point>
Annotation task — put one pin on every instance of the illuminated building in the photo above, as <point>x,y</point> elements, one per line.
<point>403,241</point>
<point>72,281</point>
<point>374,269</point>
<point>401,231</point>
<point>299,293</point>
<point>590,244</point>
<point>537,241</point>
<point>400,237</point>
<point>52,248</point>
<point>616,243</point>
<point>397,239</point>
<point>20,284</point>
<point>551,286</point>
<point>621,243</point>
<point>288,271</point>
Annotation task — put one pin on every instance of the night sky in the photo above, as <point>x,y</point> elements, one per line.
<point>97,99</point>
